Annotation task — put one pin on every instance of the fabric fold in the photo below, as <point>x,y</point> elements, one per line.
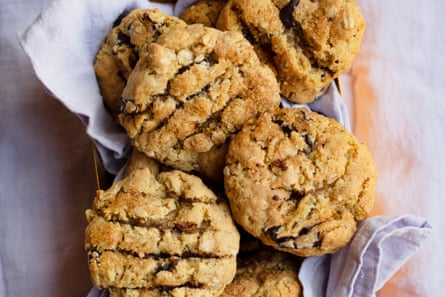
<point>62,44</point>
<point>379,248</point>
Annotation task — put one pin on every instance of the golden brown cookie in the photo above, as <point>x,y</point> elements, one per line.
<point>120,51</point>
<point>207,12</point>
<point>191,92</point>
<point>310,42</point>
<point>176,292</point>
<point>266,273</point>
<point>157,235</point>
<point>204,12</point>
<point>299,181</point>
<point>138,160</point>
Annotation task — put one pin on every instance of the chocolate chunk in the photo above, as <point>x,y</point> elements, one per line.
<point>317,244</point>
<point>280,164</point>
<point>273,232</point>
<point>297,195</point>
<point>168,266</point>
<point>286,13</point>
<point>124,39</point>
<point>310,144</point>
<point>286,128</point>
<point>304,231</point>
<point>275,197</point>
<point>309,141</point>
<point>183,69</point>
<point>286,241</point>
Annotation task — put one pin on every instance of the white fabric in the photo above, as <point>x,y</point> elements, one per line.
<point>394,95</point>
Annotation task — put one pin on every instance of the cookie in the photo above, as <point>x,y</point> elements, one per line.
<point>266,273</point>
<point>176,292</point>
<point>207,12</point>
<point>160,235</point>
<point>191,92</point>
<point>120,51</point>
<point>299,181</point>
<point>138,160</point>
<point>204,12</point>
<point>310,42</point>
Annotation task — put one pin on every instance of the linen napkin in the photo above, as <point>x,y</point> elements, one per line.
<point>62,43</point>
<point>379,248</point>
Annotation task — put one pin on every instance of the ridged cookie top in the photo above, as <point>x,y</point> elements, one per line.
<point>160,234</point>
<point>120,51</point>
<point>192,91</point>
<point>299,181</point>
<point>310,42</point>
<point>204,12</point>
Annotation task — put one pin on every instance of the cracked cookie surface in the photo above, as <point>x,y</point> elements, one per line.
<point>299,181</point>
<point>310,42</point>
<point>160,235</point>
<point>191,92</point>
<point>204,12</point>
<point>120,51</point>
<point>265,273</point>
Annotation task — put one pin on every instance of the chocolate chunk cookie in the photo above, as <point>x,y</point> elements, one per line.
<point>207,12</point>
<point>176,292</point>
<point>299,181</point>
<point>204,12</point>
<point>191,92</point>
<point>310,42</point>
<point>161,235</point>
<point>121,49</point>
<point>266,273</point>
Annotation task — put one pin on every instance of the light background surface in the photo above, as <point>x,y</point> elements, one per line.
<point>395,93</point>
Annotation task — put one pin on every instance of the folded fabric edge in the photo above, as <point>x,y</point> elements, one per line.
<point>95,292</point>
<point>341,274</point>
<point>397,244</point>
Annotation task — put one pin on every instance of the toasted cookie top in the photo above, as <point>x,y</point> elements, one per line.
<point>204,12</point>
<point>299,181</point>
<point>161,234</point>
<point>192,91</point>
<point>310,42</point>
<point>120,51</point>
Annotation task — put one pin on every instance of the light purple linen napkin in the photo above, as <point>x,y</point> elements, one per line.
<point>62,44</point>
<point>62,52</point>
<point>95,292</point>
<point>379,248</point>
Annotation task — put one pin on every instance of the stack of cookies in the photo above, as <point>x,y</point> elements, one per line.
<point>216,162</point>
